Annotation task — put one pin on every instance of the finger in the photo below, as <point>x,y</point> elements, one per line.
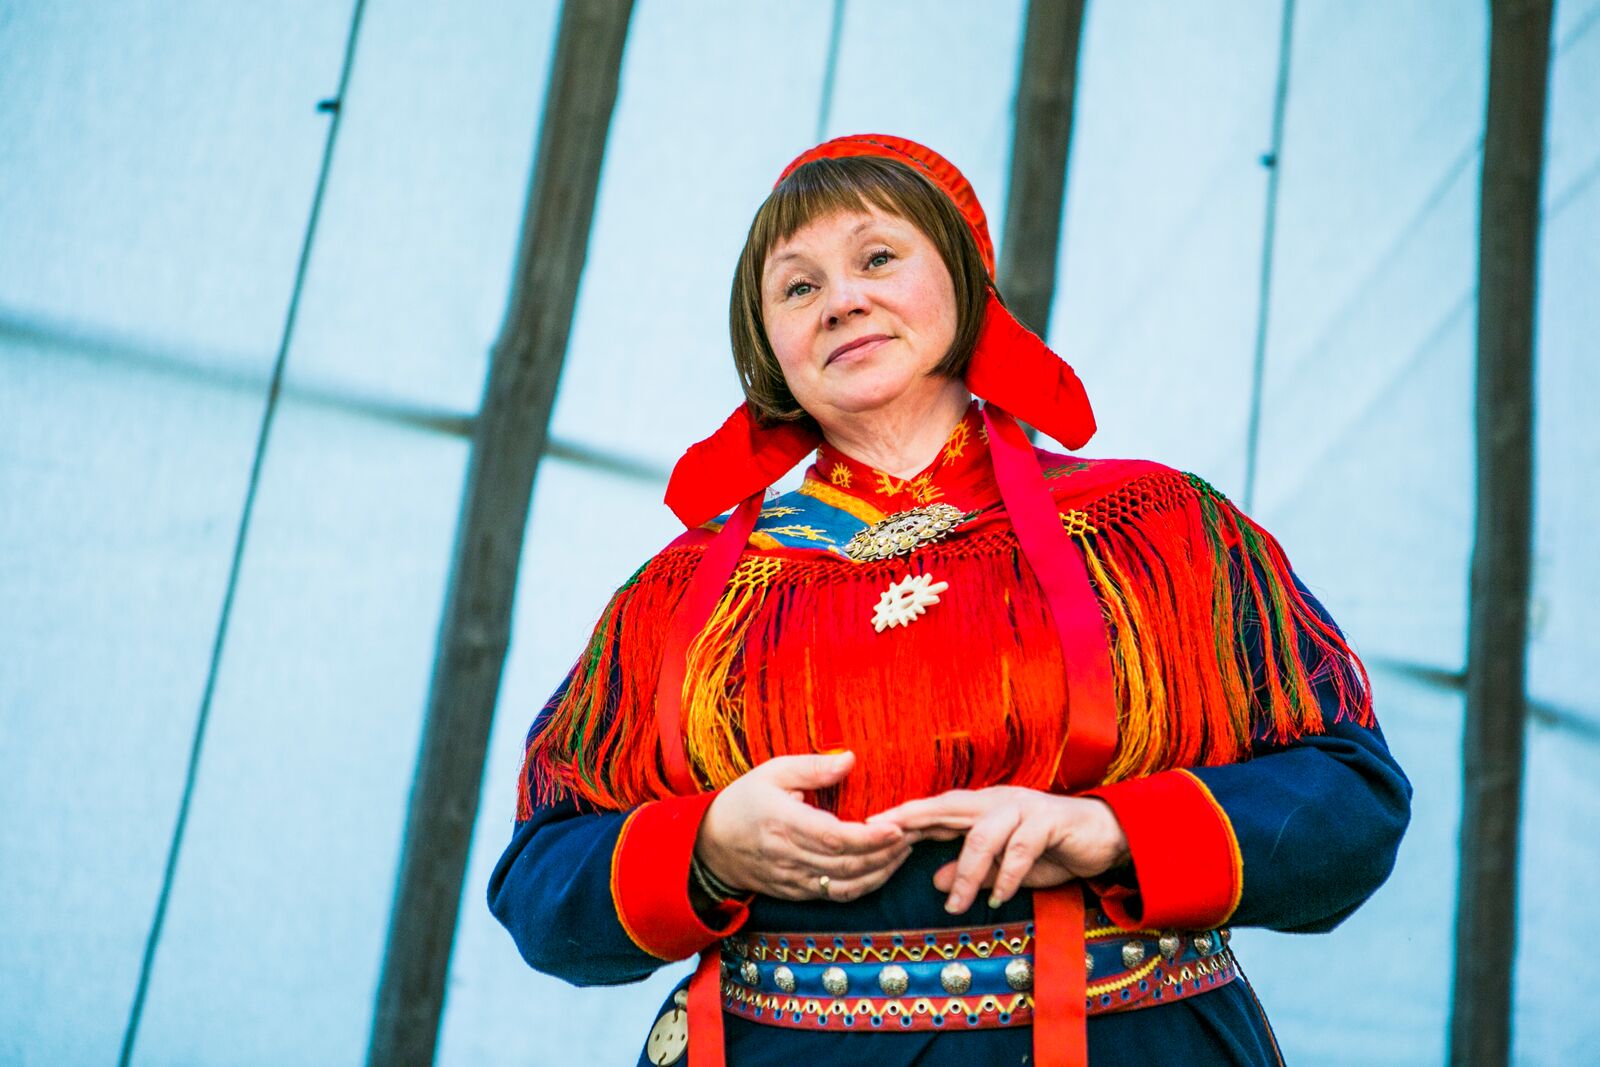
<point>944,877</point>
<point>1027,844</point>
<point>820,832</point>
<point>846,889</point>
<point>985,842</point>
<point>842,868</point>
<point>815,771</point>
<point>957,807</point>
<point>914,836</point>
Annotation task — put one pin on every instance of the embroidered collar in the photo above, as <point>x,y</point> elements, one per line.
<point>960,475</point>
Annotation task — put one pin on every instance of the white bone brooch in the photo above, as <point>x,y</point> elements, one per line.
<point>907,600</point>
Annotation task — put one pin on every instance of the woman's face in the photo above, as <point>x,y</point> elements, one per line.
<point>858,308</point>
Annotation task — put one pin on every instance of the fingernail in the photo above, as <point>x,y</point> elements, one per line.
<point>995,901</point>
<point>950,906</point>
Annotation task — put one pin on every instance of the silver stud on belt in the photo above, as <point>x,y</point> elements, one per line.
<point>956,978</point>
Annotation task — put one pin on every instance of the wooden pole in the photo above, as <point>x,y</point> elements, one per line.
<point>1508,257</point>
<point>1042,137</point>
<point>509,438</point>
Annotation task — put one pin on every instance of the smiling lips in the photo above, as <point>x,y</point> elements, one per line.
<point>850,346</point>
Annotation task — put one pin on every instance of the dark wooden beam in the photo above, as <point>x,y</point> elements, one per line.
<point>509,438</point>
<point>1497,628</point>
<point>1041,138</point>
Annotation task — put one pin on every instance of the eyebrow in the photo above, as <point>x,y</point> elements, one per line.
<point>857,228</point>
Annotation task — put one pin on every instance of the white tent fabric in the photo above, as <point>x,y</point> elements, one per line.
<point>161,164</point>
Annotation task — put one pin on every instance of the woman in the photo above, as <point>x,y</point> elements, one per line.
<point>964,752</point>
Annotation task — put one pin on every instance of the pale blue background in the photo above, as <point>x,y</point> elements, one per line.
<point>158,164</point>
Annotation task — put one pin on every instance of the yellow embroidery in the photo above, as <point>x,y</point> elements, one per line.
<point>840,475</point>
<point>810,533</point>
<point>887,486</point>
<point>983,432</point>
<point>778,511</point>
<point>923,491</point>
<point>957,442</point>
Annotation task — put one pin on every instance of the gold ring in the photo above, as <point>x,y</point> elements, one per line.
<point>824,881</point>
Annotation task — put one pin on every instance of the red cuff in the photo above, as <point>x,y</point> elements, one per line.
<point>1185,856</point>
<point>650,879</point>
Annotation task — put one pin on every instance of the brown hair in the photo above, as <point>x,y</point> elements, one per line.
<point>823,187</point>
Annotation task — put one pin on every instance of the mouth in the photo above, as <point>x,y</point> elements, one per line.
<point>871,340</point>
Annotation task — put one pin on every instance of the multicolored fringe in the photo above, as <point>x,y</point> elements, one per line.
<point>973,692</point>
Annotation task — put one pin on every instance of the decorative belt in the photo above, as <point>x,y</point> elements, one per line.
<point>959,978</point>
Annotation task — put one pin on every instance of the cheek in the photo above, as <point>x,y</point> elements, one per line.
<point>933,305</point>
<point>790,345</point>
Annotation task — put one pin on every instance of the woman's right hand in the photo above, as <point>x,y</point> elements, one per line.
<point>760,835</point>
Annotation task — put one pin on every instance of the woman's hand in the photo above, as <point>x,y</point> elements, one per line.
<point>761,835</point>
<point>1035,839</point>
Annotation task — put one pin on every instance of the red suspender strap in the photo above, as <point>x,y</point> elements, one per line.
<point>1060,1011</point>
<point>711,576</point>
<point>1060,1014</point>
<point>705,1009</point>
<point>1085,647</point>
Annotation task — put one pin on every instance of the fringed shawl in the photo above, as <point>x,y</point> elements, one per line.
<point>1213,647</point>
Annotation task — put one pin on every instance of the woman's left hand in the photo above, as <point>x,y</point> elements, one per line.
<point>1035,839</point>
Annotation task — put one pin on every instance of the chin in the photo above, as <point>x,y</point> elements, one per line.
<point>868,392</point>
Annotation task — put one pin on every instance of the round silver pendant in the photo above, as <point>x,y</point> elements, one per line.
<point>1133,953</point>
<point>835,981</point>
<point>669,1038</point>
<point>894,980</point>
<point>783,978</point>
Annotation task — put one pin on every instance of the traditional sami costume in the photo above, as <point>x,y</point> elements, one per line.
<point>1009,615</point>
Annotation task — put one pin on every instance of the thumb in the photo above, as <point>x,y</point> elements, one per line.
<point>812,771</point>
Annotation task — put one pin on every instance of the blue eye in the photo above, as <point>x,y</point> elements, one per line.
<point>793,286</point>
<point>883,254</point>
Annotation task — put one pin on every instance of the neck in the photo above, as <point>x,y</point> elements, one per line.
<point>903,438</point>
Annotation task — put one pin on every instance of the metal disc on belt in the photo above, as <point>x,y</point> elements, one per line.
<point>669,1038</point>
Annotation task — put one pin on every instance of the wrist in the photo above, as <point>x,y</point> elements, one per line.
<point>712,887</point>
<point>1114,836</point>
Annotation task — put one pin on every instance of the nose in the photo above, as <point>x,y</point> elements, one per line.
<point>846,297</point>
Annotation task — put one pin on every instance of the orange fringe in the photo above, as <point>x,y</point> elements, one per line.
<point>973,692</point>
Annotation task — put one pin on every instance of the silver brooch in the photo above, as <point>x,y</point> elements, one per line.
<point>903,532</point>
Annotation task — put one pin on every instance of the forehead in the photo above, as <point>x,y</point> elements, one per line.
<point>839,227</point>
